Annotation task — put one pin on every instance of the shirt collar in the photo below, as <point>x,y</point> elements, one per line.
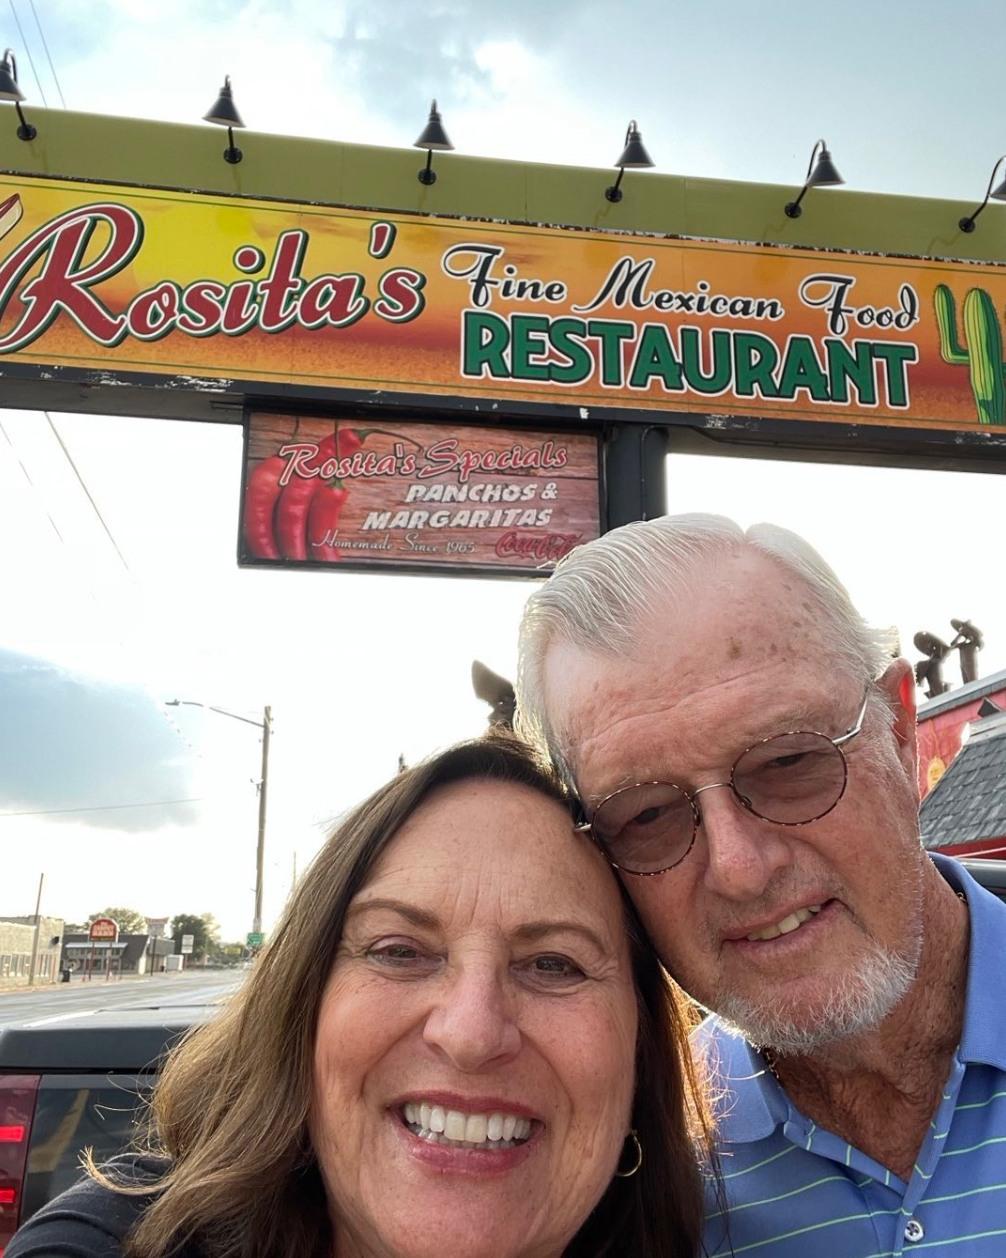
<point>983,1038</point>
<point>750,1104</point>
<point>747,1101</point>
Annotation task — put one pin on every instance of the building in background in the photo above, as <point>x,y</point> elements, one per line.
<point>965,812</point>
<point>942,721</point>
<point>17,939</point>
<point>130,954</point>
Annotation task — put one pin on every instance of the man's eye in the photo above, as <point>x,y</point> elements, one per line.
<point>787,762</point>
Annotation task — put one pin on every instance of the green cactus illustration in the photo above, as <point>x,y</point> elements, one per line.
<point>984,352</point>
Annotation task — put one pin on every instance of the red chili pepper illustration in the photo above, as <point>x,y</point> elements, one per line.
<point>296,497</point>
<point>323,520</point>
<point>291,517</point>
<point>261,494</point>
<point>294,502</point>
<point>349,440</point>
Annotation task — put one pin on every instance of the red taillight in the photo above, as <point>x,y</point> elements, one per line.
<point>17,1109</point>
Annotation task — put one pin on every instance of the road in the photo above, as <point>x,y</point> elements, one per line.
<point>48,1003</point>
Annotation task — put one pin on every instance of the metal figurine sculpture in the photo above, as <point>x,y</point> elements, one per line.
<point>497,692</point>
<point>969,642</point>
<point>930,670</point>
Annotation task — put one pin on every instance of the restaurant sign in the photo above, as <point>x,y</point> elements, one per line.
<point>351,493</point>
<point>227,294</point>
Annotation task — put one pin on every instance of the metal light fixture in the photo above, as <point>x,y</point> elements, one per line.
<point>821,173</point>
<point>224,114</point>
<point>967,224</point>
<point>634,157</point>
<point>9,90</point>
<point>434,139</point>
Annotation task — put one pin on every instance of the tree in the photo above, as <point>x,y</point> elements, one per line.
<point>130,922</point>
<point>204,930</point>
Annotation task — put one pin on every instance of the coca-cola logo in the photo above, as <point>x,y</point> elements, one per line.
<point>57,272</point>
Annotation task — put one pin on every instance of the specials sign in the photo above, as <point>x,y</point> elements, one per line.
<point>346,494</point>
<point>176,289</point>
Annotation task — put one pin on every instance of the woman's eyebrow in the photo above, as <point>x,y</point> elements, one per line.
<point>530,932</point>
<point>411,912</point>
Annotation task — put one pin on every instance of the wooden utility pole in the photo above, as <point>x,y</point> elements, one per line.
<point>38,927</point>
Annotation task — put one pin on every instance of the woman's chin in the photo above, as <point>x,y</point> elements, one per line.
<point>440,1200</point>
<point>450,1234</point>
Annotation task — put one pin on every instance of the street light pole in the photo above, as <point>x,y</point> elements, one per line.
<point>265,725</point>
<point>260,848</point>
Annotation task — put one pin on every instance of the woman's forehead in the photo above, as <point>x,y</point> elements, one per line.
<point>487,846</point>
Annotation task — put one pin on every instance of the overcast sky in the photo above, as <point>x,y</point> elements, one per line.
<point>361,668</point>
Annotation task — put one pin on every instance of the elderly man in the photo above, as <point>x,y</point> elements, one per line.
<point>744,748</point>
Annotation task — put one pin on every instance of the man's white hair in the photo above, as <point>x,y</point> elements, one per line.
<point>601,592</point>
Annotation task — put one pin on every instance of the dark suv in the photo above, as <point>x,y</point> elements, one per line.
<point>72,1085</point>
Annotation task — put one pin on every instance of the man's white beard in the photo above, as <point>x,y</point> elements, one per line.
<point>858,1002</point>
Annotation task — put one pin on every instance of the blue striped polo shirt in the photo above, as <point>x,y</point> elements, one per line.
<point>794,1189</point>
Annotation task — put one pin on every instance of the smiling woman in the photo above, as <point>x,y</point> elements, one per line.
<point>457,1045</point>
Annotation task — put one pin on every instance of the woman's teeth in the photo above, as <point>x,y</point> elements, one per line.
<point>465,1131</point>
<point>786,926</point>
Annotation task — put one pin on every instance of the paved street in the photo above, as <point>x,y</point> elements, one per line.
<point>52,1002</point>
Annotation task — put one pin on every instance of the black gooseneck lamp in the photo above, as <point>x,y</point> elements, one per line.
<point>224,113</point>
<point>9,90</point>
<point>434,139</point>
<point>634,157</point>
<point>821,173</point>
<point>967,223</point>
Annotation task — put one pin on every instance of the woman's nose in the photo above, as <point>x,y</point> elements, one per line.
<point>473,1023</point>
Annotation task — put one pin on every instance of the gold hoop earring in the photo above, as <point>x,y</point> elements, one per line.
<point>639,1157</point>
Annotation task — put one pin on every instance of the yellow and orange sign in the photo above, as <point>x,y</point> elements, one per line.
<point>208,290</point>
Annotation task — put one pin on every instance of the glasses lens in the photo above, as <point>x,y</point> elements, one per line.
<point>645,829</point>
<point>792,778</point>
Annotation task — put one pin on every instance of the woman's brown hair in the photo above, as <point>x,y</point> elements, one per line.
<point>229,1114</point>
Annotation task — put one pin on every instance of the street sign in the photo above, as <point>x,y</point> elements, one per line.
<point>254,939</point>
<point>156,927</point>
<point>105,928</point>
<point>188,941</point>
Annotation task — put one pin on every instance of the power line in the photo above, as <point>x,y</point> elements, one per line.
<point>156,803</point>
<point>31,59</point>
<point>55,527</point>
<point>90,499</point>
<point>48,57</point>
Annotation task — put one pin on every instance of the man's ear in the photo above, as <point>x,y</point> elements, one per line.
<point>898,686</point>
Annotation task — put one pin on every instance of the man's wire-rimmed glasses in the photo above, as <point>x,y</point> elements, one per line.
<point>789,779</point>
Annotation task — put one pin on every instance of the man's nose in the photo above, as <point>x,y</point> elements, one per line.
<point>743,852</point>
<point>473,1023</point>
